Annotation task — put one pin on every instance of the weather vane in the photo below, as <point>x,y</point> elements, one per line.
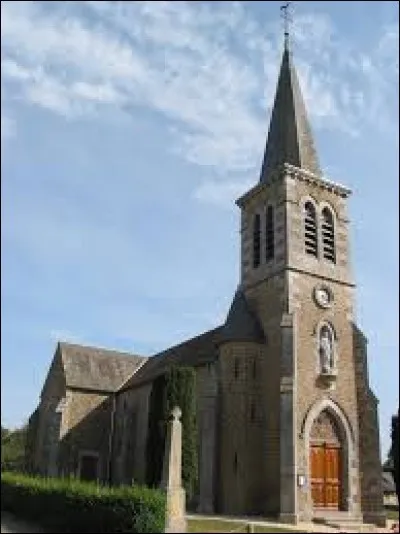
<point>287,19</point>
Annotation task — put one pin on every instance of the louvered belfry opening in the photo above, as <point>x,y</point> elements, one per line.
<point>256,240</point>
<point>269,234</point>
<point>328,235</point>
<point>310,230</point>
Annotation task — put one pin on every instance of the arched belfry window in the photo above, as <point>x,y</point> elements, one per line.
<point>256,240</point>
<point>328,235</point>
<point>269,234</point>
<point>310,229</point>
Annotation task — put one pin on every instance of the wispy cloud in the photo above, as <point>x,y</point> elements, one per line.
<point>134,120</point>
<point>188,62</point>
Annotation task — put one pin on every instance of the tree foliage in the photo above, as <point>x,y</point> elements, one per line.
<point>176,388</point>
<point>13,443</point>
<point>156,433</point>
<point>394,451</point>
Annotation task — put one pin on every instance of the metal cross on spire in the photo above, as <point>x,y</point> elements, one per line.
<point>287,19</point>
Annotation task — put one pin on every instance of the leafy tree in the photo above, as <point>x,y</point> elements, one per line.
<point>4,433</point>
<point>176,388</point>
<point>156,433</point>
<point>181,391</point>
<point>394,452</point>
<point>13,449</point>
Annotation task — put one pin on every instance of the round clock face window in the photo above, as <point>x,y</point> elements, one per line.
<point>323,296</point>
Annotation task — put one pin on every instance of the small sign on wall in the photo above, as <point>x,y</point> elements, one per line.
<point>301,480</point>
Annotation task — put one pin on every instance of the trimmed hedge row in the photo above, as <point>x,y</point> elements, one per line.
<point>67,505</point>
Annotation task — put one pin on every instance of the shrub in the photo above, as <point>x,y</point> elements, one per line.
<point>67,505</point>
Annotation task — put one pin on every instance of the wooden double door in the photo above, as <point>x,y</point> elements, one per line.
<point>325,465</point>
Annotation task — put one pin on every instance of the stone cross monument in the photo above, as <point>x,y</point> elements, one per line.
<point>171,482</point>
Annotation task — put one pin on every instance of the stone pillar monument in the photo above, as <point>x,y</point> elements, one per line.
<point>171,483</point>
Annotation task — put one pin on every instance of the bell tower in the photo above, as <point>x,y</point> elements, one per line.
<point>296,281</point>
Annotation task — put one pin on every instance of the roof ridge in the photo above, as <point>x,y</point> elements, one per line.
<point>186,341</point>
<point>98,348</point>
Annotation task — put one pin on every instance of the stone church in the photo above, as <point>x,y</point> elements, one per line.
<point>287,421</point>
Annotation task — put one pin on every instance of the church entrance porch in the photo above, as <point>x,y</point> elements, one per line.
<point>327,456</point>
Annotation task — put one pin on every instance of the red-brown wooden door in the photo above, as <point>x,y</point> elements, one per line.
<point>325,476</point>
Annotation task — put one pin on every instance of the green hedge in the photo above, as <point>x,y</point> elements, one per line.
<point>67,505</point>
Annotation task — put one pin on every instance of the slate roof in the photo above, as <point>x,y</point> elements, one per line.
<point>290,138</point>
<point>196,351</point>
<point>241,324</point>
<point>97,368</point>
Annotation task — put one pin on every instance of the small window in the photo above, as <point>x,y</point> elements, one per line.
<point>235,463</point>
<point>269,234</point>
<point>328,235</point>
<point>236,368</point>
<point>254,369</point>
<point>310,230</point>
<point>256,240</point>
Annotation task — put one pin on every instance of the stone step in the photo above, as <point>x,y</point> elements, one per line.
<point>350,525</point>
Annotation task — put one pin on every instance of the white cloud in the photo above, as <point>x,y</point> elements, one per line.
<point>188,62</point>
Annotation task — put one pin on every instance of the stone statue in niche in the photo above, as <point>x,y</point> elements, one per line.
<point>326,350</point>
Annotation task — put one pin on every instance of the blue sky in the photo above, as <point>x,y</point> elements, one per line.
<point>127,131</point>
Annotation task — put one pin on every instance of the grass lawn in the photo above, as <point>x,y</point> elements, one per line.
<point>392,513</point>
<point>271,529</point>
<point>215,525</point>
<point>210,525</point>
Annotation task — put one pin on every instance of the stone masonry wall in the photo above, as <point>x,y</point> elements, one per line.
<point>369,452</point>
<point>87,417</point>
<point>49,426</point>
<point>130,436</point>
<point>304,273</point>
<point>310,388</point>
<point>207,395</point>
<point>242,429</point>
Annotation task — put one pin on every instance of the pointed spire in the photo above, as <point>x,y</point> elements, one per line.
<point>290,138</point>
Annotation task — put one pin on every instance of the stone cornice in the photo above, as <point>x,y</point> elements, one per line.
<point>298,174</point>
<point>290,268</point>
<point>306,176</point>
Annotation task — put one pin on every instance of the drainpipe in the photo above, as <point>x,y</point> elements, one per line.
<point>111,438</point>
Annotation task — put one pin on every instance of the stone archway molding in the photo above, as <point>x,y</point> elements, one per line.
<point>347,439</point>
<point>331,406</point>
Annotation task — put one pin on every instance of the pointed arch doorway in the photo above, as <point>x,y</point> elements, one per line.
<point>326,463</point>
